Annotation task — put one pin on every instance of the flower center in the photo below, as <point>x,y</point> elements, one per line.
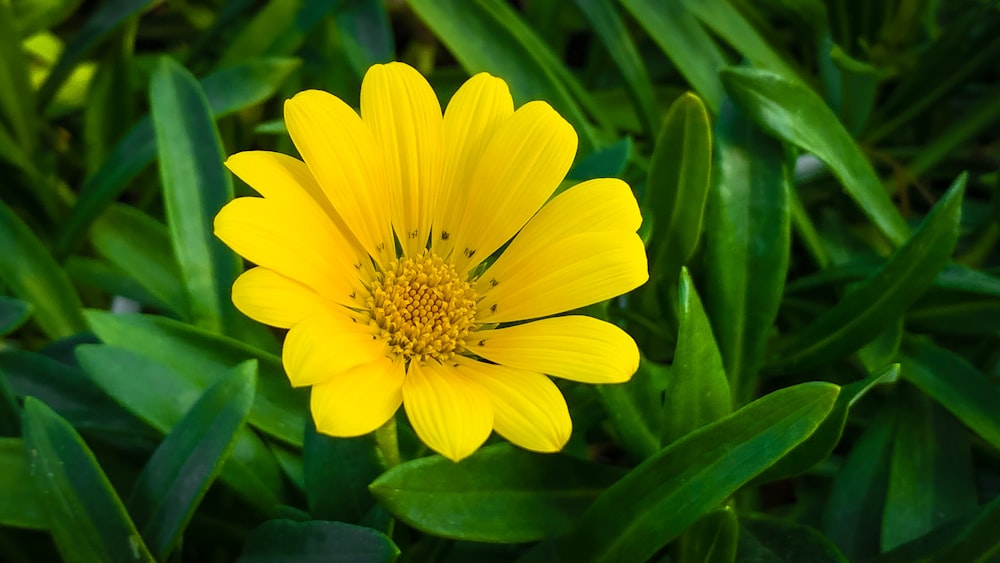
<point>423,307</point>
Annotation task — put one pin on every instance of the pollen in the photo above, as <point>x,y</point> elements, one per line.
<point>422,307</point>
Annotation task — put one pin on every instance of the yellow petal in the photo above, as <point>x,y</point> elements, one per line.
<point>561,276</point>
<point>473,115</point>
<point>521,166</point>
<point>343,156</point>
<point>293,242</point>
<point>404,115</point>
<point>572,347</point>
<point>280,177</point>
<point>528,408</point>
<point>271,298</point>
<point>447,410</point>
<point>328,343</point>
<point>359,400</point>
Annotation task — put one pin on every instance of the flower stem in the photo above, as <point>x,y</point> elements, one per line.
<point>387,441</point>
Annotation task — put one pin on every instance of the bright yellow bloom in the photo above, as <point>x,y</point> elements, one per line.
<point>382,253</point>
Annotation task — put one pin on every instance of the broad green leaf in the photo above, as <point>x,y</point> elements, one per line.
<point>17,111</point>
<point>87,519</point>
<point>712,539</point>
<point>764,539</point>
<point>602,15</point>
<point>637,409</point>
<point>161,397</point>
<point>93,273</point>
<point>13,313</point>
<point>278,410</point>
<point>605,162</point>
<point>794,113</point>
<point>970,539</point>
<point>286,541</point>
<point>822,442</point>
<point>32,275</point>
<point>677,188</point>
<point>931,478</point>
<point>882,298</point>
<point>686,43</point>
<point>195,187</point>
<point>177,476</point>
<point>665,494</point>
<point>852,516</point>
<point>499,494</point>
<point>140,246</point>
<point>337,472</point>
<point>257,81</point>
<point>102,22</point>
<point>747,232</point>
<point>488,36</point>
<point>19,506</point>
<point>958,386</point>
<point>697,391</point>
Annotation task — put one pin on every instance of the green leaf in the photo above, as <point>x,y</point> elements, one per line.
<point>286,541</point>
<point>931,478</point>
<point>747,232</point>
<point>712,539</point>
<point>177,476</point>
<point>19,505</point>
<point>101,23</point>
<point>13,314</point>
<point>882,298</point>
<point>17,111</point>
<point>33,16</point>
<point>87,519</point>
<point>637,409</point>
<point>794,113</point>
<point>605,162</point>
<point>697,392</point>
<point>685,42</point>
<point>489,36</point>
<point>228,90</point>
<point>366,33</point>
<point>107,113</point>
<point>32,275</point>
<point>665,494</point>
<point>958,386</point>
<point>677,187</point>
<point>764,539</point>
<point>278,409</point>
<point>820,445</point>
<point>970,539</point>
<point>337,474</point>
<point>852,516</point>
<point>195,187</point>
<point>499,494</point>
<point>851,86</point>
<point>602,15</point>
<point>140,246</point>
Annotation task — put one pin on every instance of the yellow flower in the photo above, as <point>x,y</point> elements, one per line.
<point>384,254</point>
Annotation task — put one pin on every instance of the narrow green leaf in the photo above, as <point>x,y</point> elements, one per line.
<point>13,314</point>
<point>94,273</point>
<point>278,409</point>
<point>286,541</point>
<point>697,392</point>
<point>488,36</point>
<point>602,15</point>
<point>637,409</point>
<point>109,110</point>
<point>665,494</point>
<point>677,188</point>
<point>747,232</point>
<point>606,162</point>
<point>712,539</point>
<point>258,80</point>
<point>686,43</point>
<point>958,386</point>
<point>161,398</point>
<point>794,113</point>
<point>499,494</point>
<point>931,478</point>
<point>884,296</point>
<point>850,85</point>
<point>970,539</point>
<point>102,22</point>
<point>33,16</point>
<point>337,473</point>
<point>19,506</point>
<point>30,272</point>
<point>765,539</point>
<point>177,476</point>
<point>10,409</point>
<point>85,515</point>
<point>195,187</point>
<point>17,112</point>
<point>366,33</point>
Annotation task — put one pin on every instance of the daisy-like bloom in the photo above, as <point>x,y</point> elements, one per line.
<point>384,253</point>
